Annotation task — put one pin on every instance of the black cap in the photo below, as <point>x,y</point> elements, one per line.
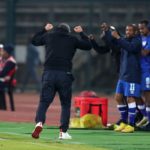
<point>9,48</point>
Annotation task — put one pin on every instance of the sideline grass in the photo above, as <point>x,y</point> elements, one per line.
<point>17,136</point>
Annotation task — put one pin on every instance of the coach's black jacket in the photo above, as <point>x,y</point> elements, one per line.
<point>60,47</point>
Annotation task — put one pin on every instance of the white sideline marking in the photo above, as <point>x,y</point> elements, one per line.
<point>11,128</point>
<point>56,140</point>
<point>1,139</point>
<point>50,146</point>
<point>40,144</point>
<point>13,133</point>
<point>67,142</point>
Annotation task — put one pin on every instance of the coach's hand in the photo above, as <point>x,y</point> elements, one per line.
<point>91,37</point>
<point>78,29</point>
<point>48,27</point>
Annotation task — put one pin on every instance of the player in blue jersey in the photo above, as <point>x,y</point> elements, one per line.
<point>145,67</point>
<point>129,76</point>
<point>115,53</point>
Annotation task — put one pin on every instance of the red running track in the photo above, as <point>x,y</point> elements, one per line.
<point>26,105</point>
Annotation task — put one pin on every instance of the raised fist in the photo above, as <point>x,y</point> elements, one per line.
<point>48,27</point>
<point>78,29</point>
<point>91,37</point>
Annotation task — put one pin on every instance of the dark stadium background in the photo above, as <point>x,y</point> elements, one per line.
<point>20,18</point>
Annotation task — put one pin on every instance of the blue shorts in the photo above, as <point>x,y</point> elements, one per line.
<point>128,89</point>
<point>145,81</point>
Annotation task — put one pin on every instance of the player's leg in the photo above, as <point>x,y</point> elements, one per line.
<point>132,91</point>
<point>47,95</point>
<point>141,115</point>
<point>64,86</point>
<point>145,85</point>
<point>147,100</point>
<point>121,105</point>
<point>2,100</point>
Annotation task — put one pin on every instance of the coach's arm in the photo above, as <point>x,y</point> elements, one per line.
<point>40,37</point>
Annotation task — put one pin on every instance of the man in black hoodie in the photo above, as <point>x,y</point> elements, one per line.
<point>60,48</point>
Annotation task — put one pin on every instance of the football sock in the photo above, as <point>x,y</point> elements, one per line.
<point>142,109</point>
<point>148,113</point>
<point>123,112</point>
<point>132,113</point>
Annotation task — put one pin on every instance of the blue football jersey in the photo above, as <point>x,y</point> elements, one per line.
<point>145,60</point>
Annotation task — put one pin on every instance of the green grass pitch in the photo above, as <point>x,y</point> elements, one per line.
<point>17,136</point>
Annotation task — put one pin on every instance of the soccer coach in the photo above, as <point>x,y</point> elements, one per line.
<point>60,48</point>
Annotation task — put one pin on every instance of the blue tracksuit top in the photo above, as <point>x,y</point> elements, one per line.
<point>130,70</point>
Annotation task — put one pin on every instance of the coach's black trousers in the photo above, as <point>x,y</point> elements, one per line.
<point>56,81</point>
